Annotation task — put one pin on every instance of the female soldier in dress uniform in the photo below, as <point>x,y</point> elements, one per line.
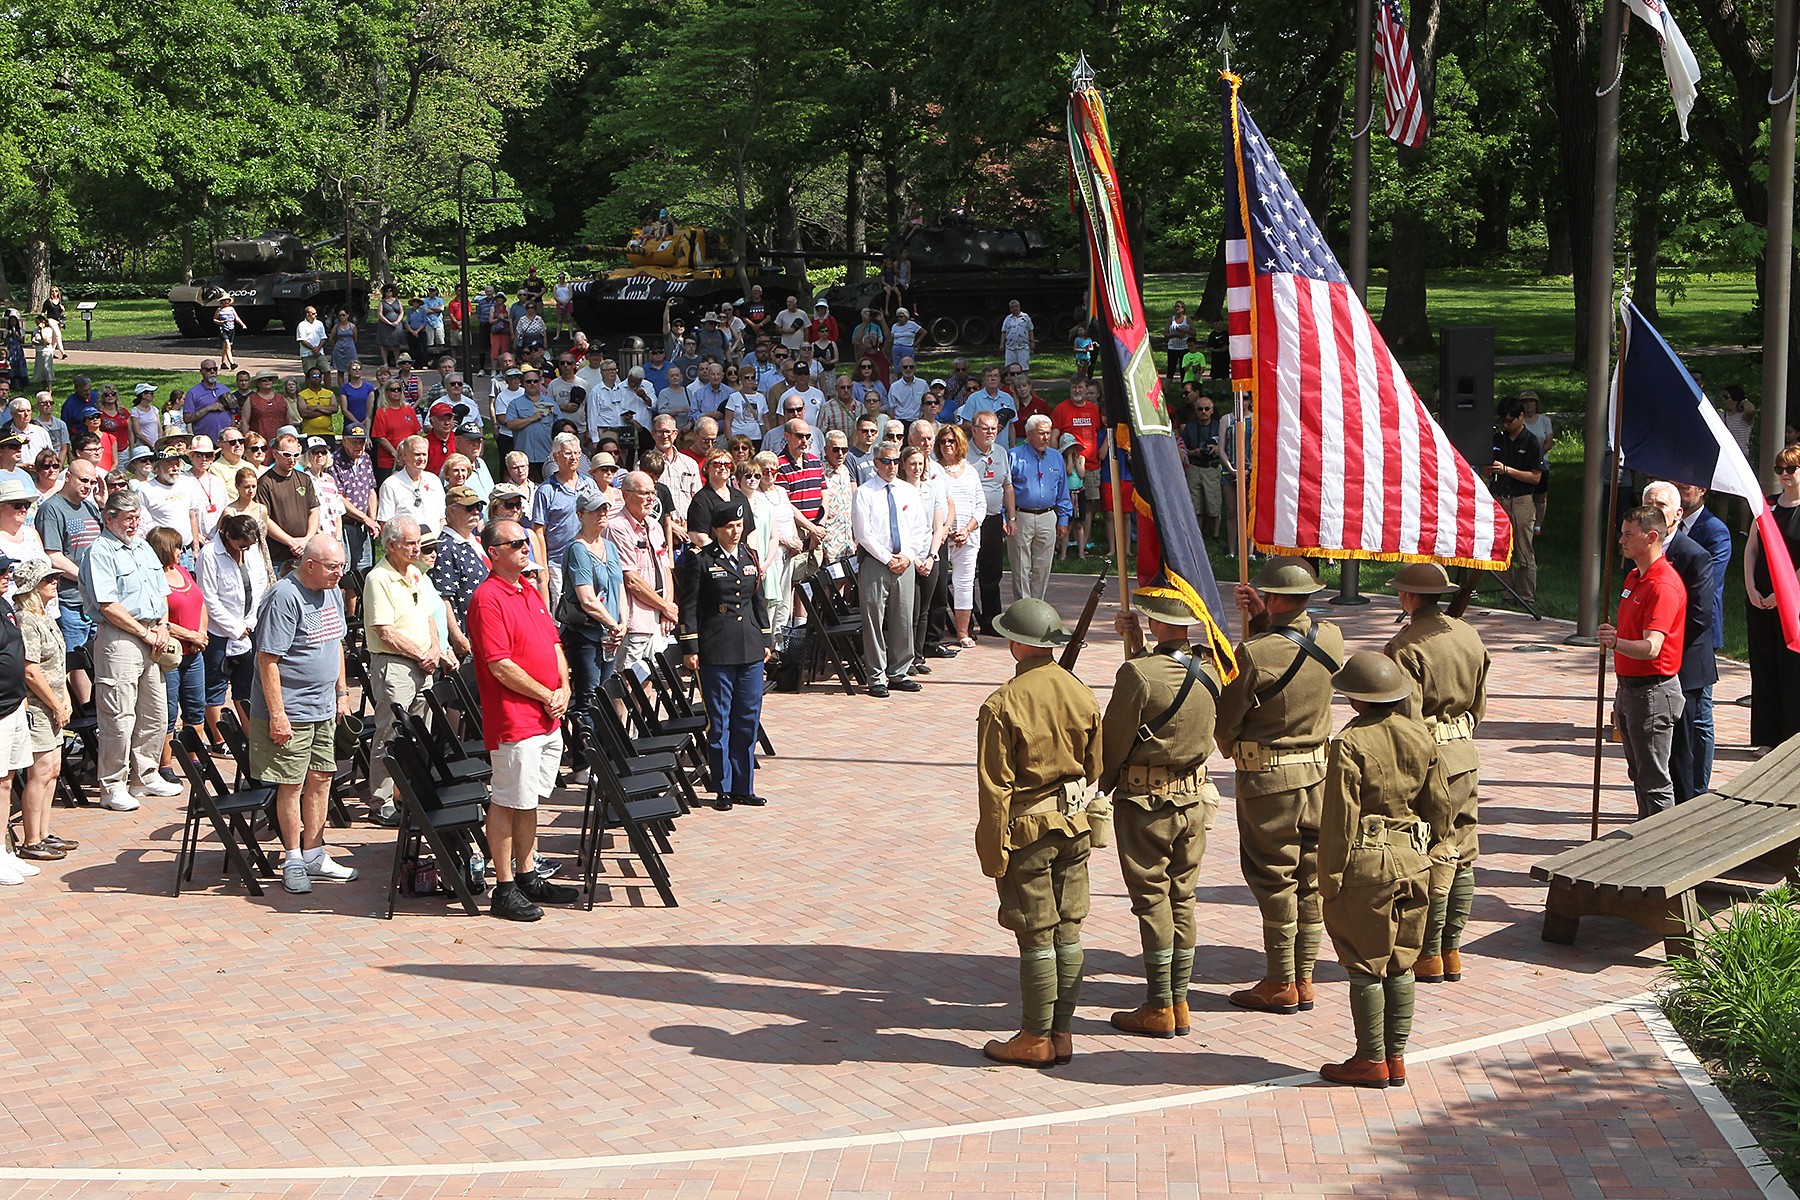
<point>725,640</point>
<point>1384,793</point>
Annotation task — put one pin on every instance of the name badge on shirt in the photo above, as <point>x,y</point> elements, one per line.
<point>1625,595</point>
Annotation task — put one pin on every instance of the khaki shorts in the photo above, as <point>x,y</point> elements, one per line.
<point>525,770</point>
<point>1090,483</point>
<point>15,741</point>
<point>45,736</point>
<point>312,748</point>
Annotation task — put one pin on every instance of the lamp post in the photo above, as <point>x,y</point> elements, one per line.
<point>462,229</point>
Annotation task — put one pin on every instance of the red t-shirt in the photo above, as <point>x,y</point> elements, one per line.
<point>1031,408</point>
<point>437,451</point>
<point>509,620</point>
<point>1653,599</point>
<point>1084,421</point>
<point>395,423</point>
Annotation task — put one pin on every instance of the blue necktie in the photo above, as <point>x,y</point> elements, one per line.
<point>893,519</point>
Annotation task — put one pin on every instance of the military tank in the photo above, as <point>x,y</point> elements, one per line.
<point>269,278</point>
<point>670,272</point>
<point>963,279</point>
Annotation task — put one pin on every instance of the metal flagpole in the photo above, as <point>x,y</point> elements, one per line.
<point>1606,186</point>
<point>1349,569</point>
<point>1612,522</point>
<point>1778,268</point>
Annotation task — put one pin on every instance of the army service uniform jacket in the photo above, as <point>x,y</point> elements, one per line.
<point>1036,735</point>
<point>1289,726</point>
<point>724,617</point>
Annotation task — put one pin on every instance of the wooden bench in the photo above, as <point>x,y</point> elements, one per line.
<point>1648,871</point>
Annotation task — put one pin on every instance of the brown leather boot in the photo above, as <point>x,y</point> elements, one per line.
<point>1064,1045</point>
<point>1305,988</point>
<point>1269,996</point>
<point>1429,968</point>
<point>1183,1026</point>
<point>1146,1021</point>
<point>1453,965</point>
<point>1022,1050</point>
<point>1396,1065</point>
<point>1358,1072</point>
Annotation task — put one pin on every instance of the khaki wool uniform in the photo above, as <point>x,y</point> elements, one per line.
<point>1037,749</point>
<point>1449,668</point>
<point>1278,743</point>
<point>1384,793</point>
<point>1163,805</point>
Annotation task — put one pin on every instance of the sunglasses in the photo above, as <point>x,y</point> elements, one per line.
<point>257,448</point>
<point>233,442</point>
<point>1786,470</point>
<point>515,544</point>
<point>889,461</point>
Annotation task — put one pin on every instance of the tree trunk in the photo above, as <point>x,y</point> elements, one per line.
<point>1493,231</point>
<point>856,228</point>
<point>1577,115</point>
<point>1646,247</point>
<point>37,271</point>
<point>1558,256</point>
<point>5,283</point>
<point>1405,323</point>
<point>787,224</point>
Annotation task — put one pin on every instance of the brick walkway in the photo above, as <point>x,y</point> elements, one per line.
<point>808,1022</point>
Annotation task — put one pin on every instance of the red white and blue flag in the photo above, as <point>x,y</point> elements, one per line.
<point>1679,63</point>
<point>1405,106</point>
<point>1348,463</point>
<point>1667,429</point>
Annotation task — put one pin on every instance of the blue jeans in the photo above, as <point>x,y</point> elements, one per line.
<point>734,696</point>
<point>1690,757</point>
<point>589,665</point>
<point>357,545</point>
<point>187,690</point>
<point>77,630</point>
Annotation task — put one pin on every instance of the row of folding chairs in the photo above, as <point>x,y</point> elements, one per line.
<point>834,626</point>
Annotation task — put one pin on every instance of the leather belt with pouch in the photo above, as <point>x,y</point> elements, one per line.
<point>1252,757</point>
<point>1461,729</point>
<point>1161,781</point>
<point>1074,798</point>
<point>1374,832</point>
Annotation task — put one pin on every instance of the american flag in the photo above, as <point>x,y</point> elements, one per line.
<point>1405,106</point>
<point>1347,462</point>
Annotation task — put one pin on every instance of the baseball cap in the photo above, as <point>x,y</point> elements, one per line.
<point>463,495</point>
<point>505,491</point>
<point>85,411</point>
<point>6,564</point>
<point>316,443</point>
<point>592,502</point>
<point>162,456</point>
<point>470,429</point>
<point>821,304</point>
<point>355,431</point>
<point>443,408</point>
<point>512,371</point>
<point>141,388</point>
<point>939,383</point>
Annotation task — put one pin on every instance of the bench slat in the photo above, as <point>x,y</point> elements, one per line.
<point>1771,779</point>
<point>1597,860</point>
<point>1711,842</point>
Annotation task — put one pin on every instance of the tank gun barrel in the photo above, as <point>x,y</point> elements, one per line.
<point>311,246</point>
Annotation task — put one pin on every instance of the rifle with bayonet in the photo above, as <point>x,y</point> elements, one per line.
<point>1078,638</point>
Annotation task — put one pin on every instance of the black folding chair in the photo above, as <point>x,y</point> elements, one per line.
<point>644,806</point>
<point>450,825</point>
<point>237,745</point>
<point>679,699</point>
<point>232,813</point>
<point>831,636</point>
<point>653,756</point>
<point>643,736</point>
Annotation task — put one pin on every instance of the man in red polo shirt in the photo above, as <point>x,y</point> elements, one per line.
<point>440,439</point>
<point>1646,646</point>
<point>1079,417</point>
<point>523,679</point>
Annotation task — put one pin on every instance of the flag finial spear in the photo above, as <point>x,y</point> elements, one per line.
<point>1083,76</point>
<point>1225,45</point>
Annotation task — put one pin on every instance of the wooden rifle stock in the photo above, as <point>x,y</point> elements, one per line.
<point>1078,639</point>
<point>1459,603</point>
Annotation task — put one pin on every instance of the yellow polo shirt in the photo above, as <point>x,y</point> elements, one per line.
<point>390,598</point>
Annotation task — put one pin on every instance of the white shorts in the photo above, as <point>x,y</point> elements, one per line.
<point>15,741</point>
<point>525,771</point>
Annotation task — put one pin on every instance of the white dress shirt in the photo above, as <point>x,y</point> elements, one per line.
<point>421,498</point>
<point>869,523</point>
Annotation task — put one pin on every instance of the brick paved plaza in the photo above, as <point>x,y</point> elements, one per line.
<point>809,1021</point>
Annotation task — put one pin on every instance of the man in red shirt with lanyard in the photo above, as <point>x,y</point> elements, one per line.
<point>1646,646</point>
<point>1083,420</point>
<point>523,679</point>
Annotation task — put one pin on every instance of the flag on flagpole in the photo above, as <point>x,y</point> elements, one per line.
<point>1171,556</point>
<point>1404,105</point>
<point>1667,429</point>
<point>1679,63</point>
<point>1347,463</point>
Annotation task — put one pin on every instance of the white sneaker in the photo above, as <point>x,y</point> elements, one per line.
<point>118,799</point>
<point>10,877</point>
<point>294,876</point>
<point>331,872</point>
<point>17,865</point>
<point>156,785</point>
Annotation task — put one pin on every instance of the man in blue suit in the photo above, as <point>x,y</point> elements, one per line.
<point>1713,536</point>
<point>1699,669</point>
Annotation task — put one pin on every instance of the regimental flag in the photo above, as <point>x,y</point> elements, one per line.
<point>1668,430</point>
<point>1347,463</point>
<point>1679,63</point>
<point>1400,86</point>
<point>1171,553</point>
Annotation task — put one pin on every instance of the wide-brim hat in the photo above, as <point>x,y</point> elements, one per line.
<point>1167,608</point>
<point>1372,677</point>
<point>1424,578</point>
<point>1287,575</point>
<point>1032,622</point>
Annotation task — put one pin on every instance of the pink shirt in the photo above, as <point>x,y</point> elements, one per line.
<point>644,552</point>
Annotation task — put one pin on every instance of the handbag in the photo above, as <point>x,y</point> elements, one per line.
<point>569,613</point>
